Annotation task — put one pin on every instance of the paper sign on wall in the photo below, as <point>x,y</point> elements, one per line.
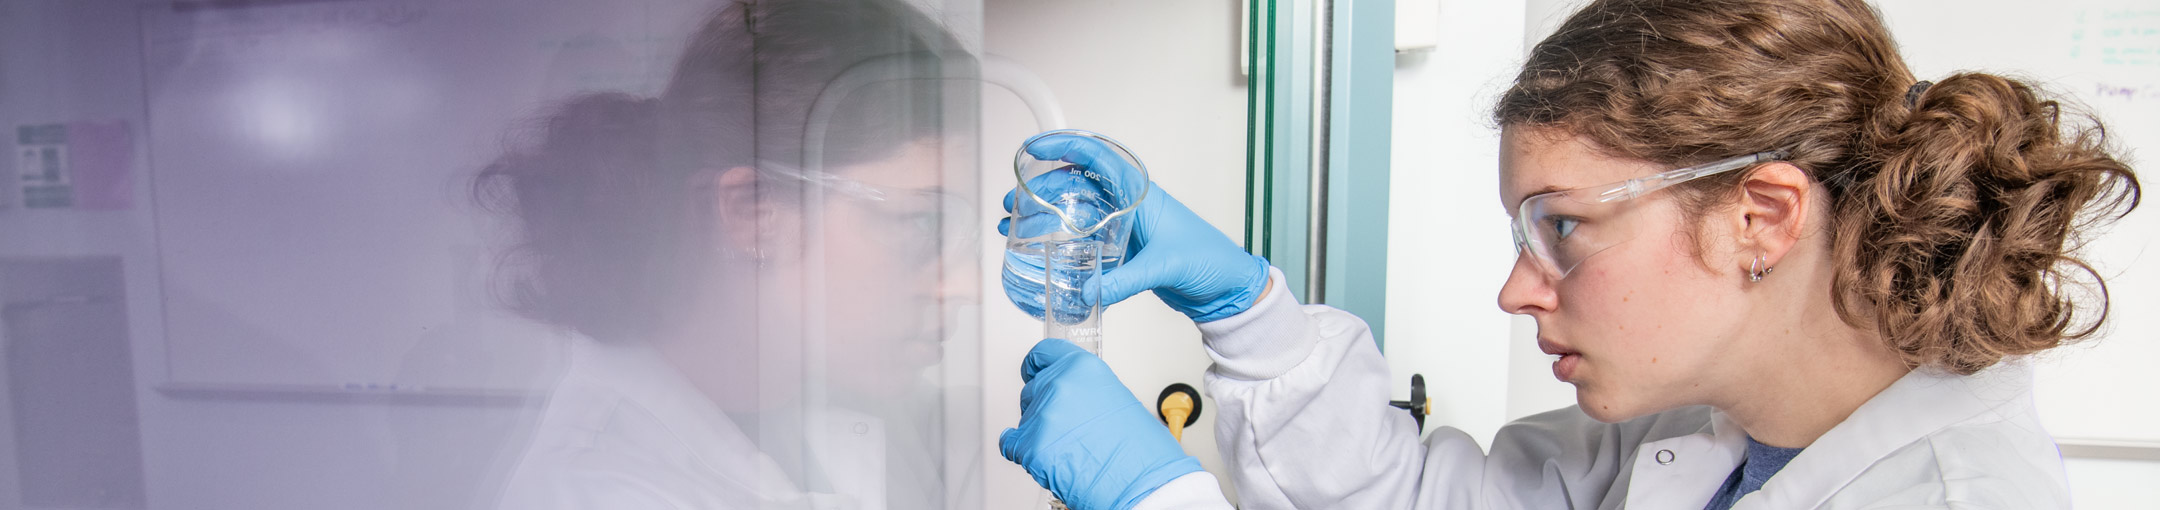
<point>78,165</point>
<point>41,166</point>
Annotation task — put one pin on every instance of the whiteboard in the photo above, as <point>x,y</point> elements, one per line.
<point>2106,55</point>
<point>310,164</point>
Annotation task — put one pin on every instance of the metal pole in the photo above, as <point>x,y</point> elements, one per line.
<point>1316,222</point>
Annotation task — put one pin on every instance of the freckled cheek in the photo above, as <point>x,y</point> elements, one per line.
<point>1621,316</point>
<point>1597,309</point>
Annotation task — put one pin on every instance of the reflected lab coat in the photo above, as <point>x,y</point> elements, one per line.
<point>625,430</point>
<point>1304,423</point>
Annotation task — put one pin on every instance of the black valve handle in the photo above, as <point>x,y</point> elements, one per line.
<point>1418,405</point>
<point>1176,388</point>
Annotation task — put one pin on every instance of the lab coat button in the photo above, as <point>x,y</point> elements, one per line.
<point>1664,457</point>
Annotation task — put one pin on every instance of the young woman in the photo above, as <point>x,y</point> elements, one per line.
<point>1780,271</point>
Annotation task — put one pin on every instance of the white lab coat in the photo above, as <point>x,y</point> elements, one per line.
<point>1301,394</point>
<point>624,430</point>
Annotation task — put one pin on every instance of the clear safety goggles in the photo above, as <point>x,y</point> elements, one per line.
<point>923,223</point>
<point>1561,229</point>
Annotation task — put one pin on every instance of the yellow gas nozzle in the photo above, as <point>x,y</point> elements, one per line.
<point>1179,407</point>
<point>1174,411</point>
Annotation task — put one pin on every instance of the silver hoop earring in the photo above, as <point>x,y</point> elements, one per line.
<point>1756,270</point>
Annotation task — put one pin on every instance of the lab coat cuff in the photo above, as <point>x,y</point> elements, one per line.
<point>1195,490</point>
<point>1264,341</point>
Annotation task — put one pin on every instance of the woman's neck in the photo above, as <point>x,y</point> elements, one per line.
<point>713,342</point>
<point>1809,372</point>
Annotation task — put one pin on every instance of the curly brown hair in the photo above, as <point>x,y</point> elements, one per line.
<point>1956,210</point>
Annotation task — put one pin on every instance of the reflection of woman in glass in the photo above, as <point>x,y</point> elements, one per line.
<point>694,257</point>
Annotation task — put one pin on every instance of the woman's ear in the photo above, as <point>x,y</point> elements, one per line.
<point>1775,202</point>
<point>740,215</point>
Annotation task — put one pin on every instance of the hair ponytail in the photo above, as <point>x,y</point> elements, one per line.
<point>1958,235</point>
<point>587,194</point>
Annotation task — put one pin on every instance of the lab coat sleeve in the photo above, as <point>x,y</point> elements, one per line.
<point>1305,420</point>
<point>1194,491</point>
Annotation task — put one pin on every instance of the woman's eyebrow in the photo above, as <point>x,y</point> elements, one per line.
<point>933,191</point>
<point>1549,188</point>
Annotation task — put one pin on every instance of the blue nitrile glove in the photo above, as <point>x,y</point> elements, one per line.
<point>1188,263</point>
<point>1084,437</point>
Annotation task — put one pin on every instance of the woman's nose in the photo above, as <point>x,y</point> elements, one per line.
<point>1527,290</point>
<point>958,284</point>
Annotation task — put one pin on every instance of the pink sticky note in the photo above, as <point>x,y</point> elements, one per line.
<point>102,159</point>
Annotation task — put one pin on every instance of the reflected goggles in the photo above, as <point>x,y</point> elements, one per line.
<point>1560,229</point>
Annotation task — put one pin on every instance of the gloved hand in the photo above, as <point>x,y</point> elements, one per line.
<point>1084,437</point>
<point>1188,263</point>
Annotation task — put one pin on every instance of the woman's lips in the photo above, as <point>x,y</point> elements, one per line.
<point>1564,367</point>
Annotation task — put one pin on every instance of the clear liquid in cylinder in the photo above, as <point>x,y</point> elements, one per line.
<point>1061,263</point>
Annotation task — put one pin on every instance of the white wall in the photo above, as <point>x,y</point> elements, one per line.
<point>1161,77</point>
<point>1445,221</point>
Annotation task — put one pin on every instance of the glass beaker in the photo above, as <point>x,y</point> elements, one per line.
<point>1071,219</point>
